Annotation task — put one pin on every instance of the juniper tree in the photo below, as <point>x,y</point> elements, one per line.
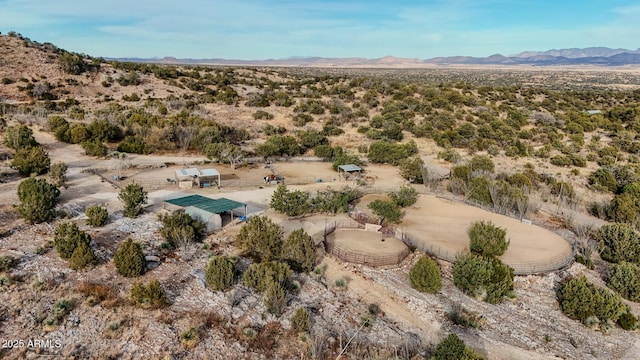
<point>37,200</point>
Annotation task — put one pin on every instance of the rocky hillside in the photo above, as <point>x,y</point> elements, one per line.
<point>41,71</point>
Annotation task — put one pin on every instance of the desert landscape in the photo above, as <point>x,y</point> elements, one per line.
<point>526,176</point>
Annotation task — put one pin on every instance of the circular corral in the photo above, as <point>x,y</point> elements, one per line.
<point>437,223</point>
<point>366,247</point>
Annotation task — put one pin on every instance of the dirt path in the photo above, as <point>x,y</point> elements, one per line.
<point>372,292</point>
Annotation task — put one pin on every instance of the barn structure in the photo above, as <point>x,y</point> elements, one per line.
<point>190,177</point>
<point>345,171</point>
<point>215,213</point>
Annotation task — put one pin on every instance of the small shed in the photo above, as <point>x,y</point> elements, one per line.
<point>208,177</point>
<point>212,212</point>
<point>185,178</point>
<point>349,169</point>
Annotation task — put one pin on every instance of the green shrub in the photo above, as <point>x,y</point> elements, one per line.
<point>249,333</point>
<point>262,115</point>
<point>299,250</point>
<point>261,238</point>
<point>279,145</point>
<point>563,190</point>
<point>341,283</point>
<point>133,197</point>
<point>134,145</point>
<point>619,242</point>
<point>19,137</point>
<point>561,160</point>
<point>82,257</point>
<point>324,151</point>
<point>624,278</point>
<point>464,318</point>
<point>190,338</point>
<point>381,152</point>
<point>58,312</point>
<point>386,210</point>
<point>260,275</point>
<point>31,160</point>
<point>485,278</point>
<point>405,196</point>
<point>413,169</point>
<point>624,208</point>
<point>300,320</point>
<point>129,259</point>
<point>334,201</point>
<point>73,63</point>
<point>482,163</point>
<point>628,321</point>
<point>487,239</point>
<point>581,300</point>
<point>96,215</point>
<point>272,279</point>
<point>180,228</point>
<point>103,131</point>
<point>290,203</point>
<point>425,275</point>
<point>603,179</point>
<point>309,139</point>
<point>59,126</point>
<point>275,298</point>
<point>37,200</point>
<point>220,273</point>
<point>79,133</point>
<point>94,148</point>
<point>58,174</point>
<point>480,190</point>
<point>151,296</point>
<point>301,120</point>
<point>67,237</point>
<point>453,348</point>
<point>450,155</point>
<point>521,181</point>
<point>462,172</point>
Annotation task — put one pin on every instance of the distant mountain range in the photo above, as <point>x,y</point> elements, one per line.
<point>601,56</point>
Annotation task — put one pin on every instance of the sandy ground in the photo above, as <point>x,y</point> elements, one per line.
<point>367,242</point>
<point>445,223</point>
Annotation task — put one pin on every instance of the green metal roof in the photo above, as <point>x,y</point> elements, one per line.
<point>215,206</point>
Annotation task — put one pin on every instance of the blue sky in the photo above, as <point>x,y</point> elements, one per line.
<point>263,29</point>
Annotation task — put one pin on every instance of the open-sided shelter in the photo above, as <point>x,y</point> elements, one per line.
<point>347,170</point>
<point>208,177</point>
<point>209,211</point>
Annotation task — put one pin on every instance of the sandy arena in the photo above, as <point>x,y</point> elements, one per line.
<point>445,223</point>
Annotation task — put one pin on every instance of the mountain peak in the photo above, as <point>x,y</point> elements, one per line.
<point>576,53</point>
